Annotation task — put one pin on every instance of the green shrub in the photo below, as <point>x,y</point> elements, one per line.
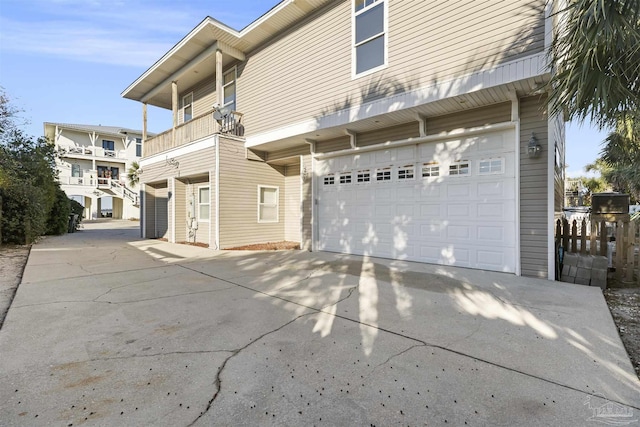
<point>58,222</point>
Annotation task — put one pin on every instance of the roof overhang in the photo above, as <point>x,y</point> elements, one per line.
<point>193,58</point>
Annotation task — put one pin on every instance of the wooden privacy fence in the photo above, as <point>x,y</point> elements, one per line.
<point>593,238</point>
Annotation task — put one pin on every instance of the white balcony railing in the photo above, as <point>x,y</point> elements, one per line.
<point>196,128</point>
<point>89,151</point>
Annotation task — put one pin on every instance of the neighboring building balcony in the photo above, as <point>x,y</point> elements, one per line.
<point>89,152</point>
<point>197,128</point>
<point>110,186</point>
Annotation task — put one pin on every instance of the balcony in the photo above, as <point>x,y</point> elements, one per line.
<point>193,130</point>
<point>88,152</point>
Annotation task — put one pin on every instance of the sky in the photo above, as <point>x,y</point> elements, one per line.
<point>68,61</point>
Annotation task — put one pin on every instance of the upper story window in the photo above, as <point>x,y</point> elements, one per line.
<point>370,34</point>
<point>187,107</point>
<point>229,89</point>
<point>138,147</point>
<point>108,145</point>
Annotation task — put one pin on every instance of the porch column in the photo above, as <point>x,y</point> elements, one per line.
<point>219,84</point>
<point>174,108</point>
<point>144,123</point>
<point>93,138</point>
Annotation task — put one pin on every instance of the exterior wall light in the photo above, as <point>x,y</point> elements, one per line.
<point>533,149</point>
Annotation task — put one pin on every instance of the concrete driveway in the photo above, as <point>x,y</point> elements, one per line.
<point>108,329</point>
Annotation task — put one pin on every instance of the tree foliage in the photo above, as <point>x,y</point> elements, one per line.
<point>596,53</point>
<point>32,202</point>
<point>133,174</point>
<point>620,157</point>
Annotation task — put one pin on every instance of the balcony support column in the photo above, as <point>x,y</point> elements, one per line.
<point>93,137</point>
<point>144,123</point>
<point>219,84</point>
<point>174,108</point>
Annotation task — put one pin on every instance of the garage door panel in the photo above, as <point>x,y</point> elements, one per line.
<point>462,220</point>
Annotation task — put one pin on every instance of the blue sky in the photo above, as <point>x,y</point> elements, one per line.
<point>68,60</point>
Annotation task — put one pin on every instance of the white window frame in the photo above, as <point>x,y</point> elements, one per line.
<point>360,175</point>
<point>329,179</point>
<point>458,165</point>
<point>430,167</point>
<point>260,204</point>
<point>235,88</point>
<point>345,178</point>
<point>406,168</point>
<point>185,105</point>
<point>385,34</point>
<point>386,171</point>
<point>491,171</point>
<point>208,205</point>
<point>138,147</point>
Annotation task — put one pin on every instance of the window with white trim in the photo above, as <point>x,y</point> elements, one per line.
<point>430,169</point>
<point>406,172</point>
<point>204,204</point>
<point>491,166</point>
<point>268,203</point>
<point>187,107</point>
<point>369,35</point>
<point>229,89</point>
<point>345,177</point>
<point>459,168</point>
<point>138,147</point>
<point>329,180</point>
<point>363,176</point>
<point>383,174</point>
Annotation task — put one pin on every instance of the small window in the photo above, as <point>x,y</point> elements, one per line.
<point>383,174</point>
<point>138,147</point>
<point>187,107</point>
<point>203,204</point>
<point>363,176</point>
<point>345,178</point>
<point>229,89</point>
<point>108,145</point>
<point>329,180</point>
<point>460,168</point>
<point>369,34</point>
<point>406,172</point>
<point>430,169</point>
<point>490,166</point>
<point>267,204</point>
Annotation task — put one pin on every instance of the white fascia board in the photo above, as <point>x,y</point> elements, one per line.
<point>521,69</point>
<point>192,147</point>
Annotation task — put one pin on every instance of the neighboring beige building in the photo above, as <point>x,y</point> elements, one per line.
<point>399,129</point>
<point>92,164</point>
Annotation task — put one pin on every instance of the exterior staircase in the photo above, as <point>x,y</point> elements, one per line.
<point>115,188</point>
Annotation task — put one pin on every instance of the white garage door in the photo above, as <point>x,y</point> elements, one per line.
<point>448,202</point>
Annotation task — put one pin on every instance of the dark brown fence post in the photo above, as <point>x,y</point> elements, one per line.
<point>565,234</point>
<point>574,236</point>
<point>583,237</point>
<point>558,233</point>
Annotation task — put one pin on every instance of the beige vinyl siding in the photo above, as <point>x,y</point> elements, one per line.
<point>315,56</point>
<point>204,97</point>
<point>533,189</point>
<point>288,152</point>
<point>557,134</point>
<point>180,192</point>
<point>497,113</point>
<point>292,203</point>
<point>239,181</point>
<point>342,143</point>
<point>395,133</point>
<point>307,202</point>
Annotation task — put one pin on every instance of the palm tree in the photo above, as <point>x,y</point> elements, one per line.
<point>621,156</point>
<point>133,174</point>
<point>597,58</point>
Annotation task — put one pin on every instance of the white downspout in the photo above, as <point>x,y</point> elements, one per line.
<point>217,196</point>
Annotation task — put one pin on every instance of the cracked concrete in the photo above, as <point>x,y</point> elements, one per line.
<point>178,335</point>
